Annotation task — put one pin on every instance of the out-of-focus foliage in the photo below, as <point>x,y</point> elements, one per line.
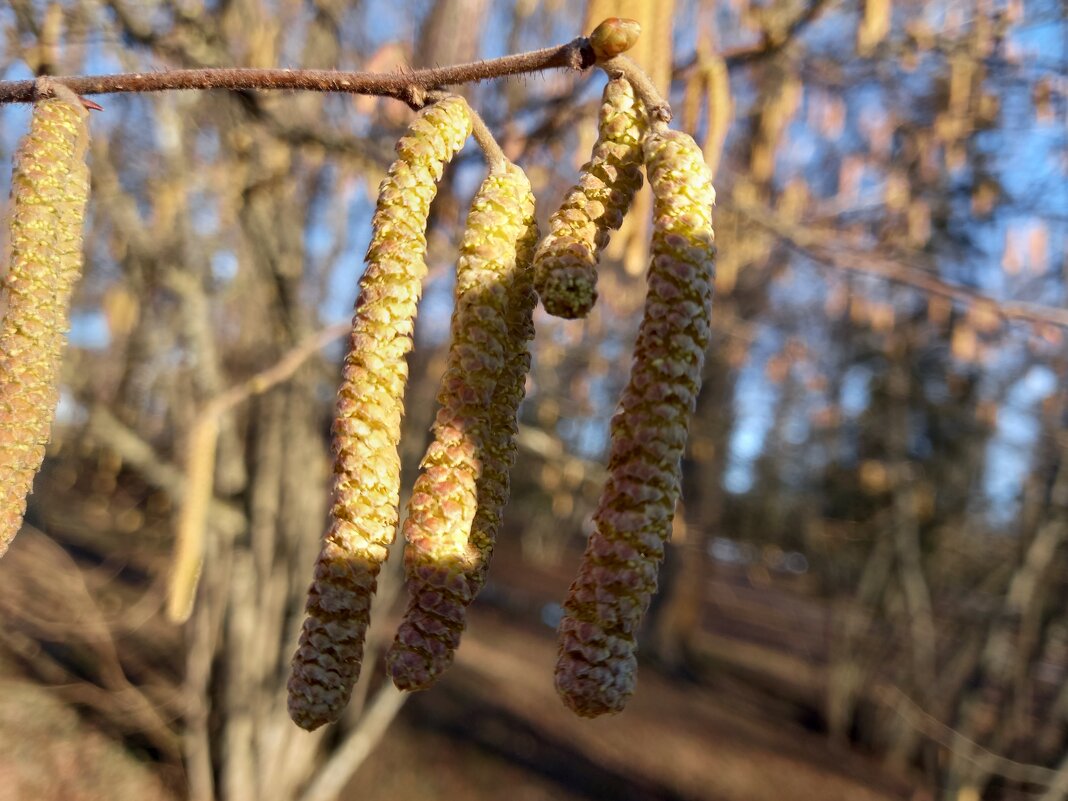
<point>875,486</point>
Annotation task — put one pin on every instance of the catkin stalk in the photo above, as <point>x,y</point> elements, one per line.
<point>455,507</point>
<point>368,419</point>
<point>50,188</point>
<point>595,672</point>
<point>565,265</point>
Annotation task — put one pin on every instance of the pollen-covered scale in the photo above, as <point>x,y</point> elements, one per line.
<point>367,421</point>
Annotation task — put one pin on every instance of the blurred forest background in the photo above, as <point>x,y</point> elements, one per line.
<point>867,592</point>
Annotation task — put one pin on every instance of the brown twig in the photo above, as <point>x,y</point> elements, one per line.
<point>768,46</point>
<point>409,86</point>
<point>897,700</point>
<point>277,372</point>
<point>356,747</point>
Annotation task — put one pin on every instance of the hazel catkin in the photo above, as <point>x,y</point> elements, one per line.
<point>50,188</point>
<point>595,671</point>
<point>455,507</point>
<point>367,423</point>
<point>565,265</point>
<point>502,423</point>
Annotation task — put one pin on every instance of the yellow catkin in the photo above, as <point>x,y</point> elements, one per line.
<point>595,672</point>
<point>874,25</point>
<point>565,265</point>
<point>455,507</point>
<point>50,188</point>
<point>368,418</point>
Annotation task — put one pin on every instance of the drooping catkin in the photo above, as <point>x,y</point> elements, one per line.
<point>502,422</point>
<point>192,522</point>
<point>595,672</point>
<point>455,508</point>
<point>368,418</point>
<point>565,265</point>
<point>50,188</point>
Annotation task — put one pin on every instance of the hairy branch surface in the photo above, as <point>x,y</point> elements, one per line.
<point>409,86</point>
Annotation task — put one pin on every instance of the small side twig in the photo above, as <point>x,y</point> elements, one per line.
<point>916,716</point>
<point>347,757</point>
<point>277,373</point>
<point>818,244</point>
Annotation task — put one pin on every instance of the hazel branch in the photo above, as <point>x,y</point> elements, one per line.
<point>408,86</point>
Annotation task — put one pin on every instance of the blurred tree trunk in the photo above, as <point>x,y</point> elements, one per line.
<point>451,33</point>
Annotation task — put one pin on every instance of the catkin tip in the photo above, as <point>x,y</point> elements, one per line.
<point>590,691</point>
<point>569,292</point>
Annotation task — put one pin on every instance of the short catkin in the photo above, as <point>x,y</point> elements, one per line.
<point>595,672</point>
<point>565,265</point>
<point>368,419</point>
<point>455,507</point>
<point>50,188</point>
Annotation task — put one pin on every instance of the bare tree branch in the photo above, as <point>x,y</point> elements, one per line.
<point>354,749</point>
<point>409,86</point>
<point>825,247</point>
